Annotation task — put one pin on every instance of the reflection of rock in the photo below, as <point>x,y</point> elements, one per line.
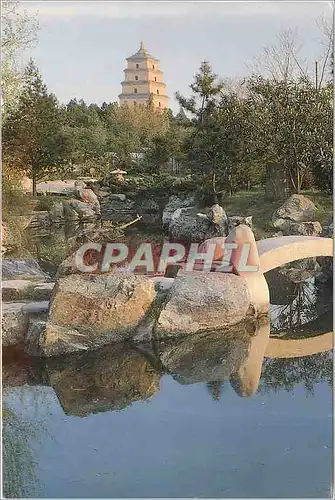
<point>282,290</point>
<point>326,263</point>
<point>198,301</point>
<point>109,379</point>
<point>207,357</point>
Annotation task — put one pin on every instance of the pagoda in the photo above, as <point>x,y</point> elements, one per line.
<point>143,81</point>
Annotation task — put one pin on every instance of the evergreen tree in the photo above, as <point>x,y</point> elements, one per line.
<point>32,135</point>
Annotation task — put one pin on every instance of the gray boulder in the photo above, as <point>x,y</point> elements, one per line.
<point>236,220</point>
<point>173,204</point>
<point>186,225</point>
<point>289,228</point>
<point>15,319</point>
<point>198,302</point>
<point>76,209</point>
<point>25,289</point>
<point>297,208</point>
<point>24,269</point>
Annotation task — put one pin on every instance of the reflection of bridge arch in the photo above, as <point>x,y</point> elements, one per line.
<point>246,380</point>
<point>274,252</point>
<point>296,348</point>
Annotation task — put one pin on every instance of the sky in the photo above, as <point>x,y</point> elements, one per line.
<point>82,46</point>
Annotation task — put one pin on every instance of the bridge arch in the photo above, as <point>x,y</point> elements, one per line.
<point>274,252</point>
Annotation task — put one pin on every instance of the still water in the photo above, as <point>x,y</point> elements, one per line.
<point>191,419</point>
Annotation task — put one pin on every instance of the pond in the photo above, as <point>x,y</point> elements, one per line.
<point>171,420</point>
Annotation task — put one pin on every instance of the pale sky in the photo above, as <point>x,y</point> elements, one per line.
<point>83,45</point>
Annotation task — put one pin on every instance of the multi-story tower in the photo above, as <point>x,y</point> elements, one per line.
<point>143,81</point>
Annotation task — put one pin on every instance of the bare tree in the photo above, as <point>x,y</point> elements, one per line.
<point>327,51</point>
<point>282,61</point>
<point>18,33</point>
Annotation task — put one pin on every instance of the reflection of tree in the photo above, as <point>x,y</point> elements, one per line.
<point>215,389</point>
<point>302,310</point>
<point>278,374</point>
<point>18,460</point>
<point>21,427</point>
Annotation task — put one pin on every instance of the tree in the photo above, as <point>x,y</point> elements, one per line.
<point>86,134</point>
<point>206,89</point>
<point>294,128</point>
<point>18,33</point>
<point>32,135</point>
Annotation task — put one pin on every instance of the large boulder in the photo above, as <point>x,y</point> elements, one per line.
<point>186,225</point>
<point>15,319</point>
<point>25,269</point>
<point>76,209</point>
<point>111,378</point>
<point>173,204</point>
<point>289,228</point>
<point>198,302</point>
<point>297,208</point>
<point>89,197</point>
<point>88,311</point>
<point>112,304</point>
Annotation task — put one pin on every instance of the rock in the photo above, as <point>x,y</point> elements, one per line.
<point>79,185</point>
<point>208,357</point>
<point>25,289</point>
<point>89,197</point>
<point>185,225</point>
<point>46,339</point>
<point>198,302</point>
<point>42,291</point>
<point>26,269</point>
<point>118,197</point>
<point>297,208</point>
<point>173,204</point>
<point>289,228</point>
<point>57,212</point>
<point>102,308</point>
<point>236,220</point>
<point>328,231</point>
<point>106,380</point>
<point>79,210</point>
<point>149,209</point>
<point>40,219</point>
<point>216,214</point>
<point>326,263</point>
<point>70,213</point>
<point>15,319</point>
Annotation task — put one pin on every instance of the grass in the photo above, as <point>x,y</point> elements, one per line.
<point>254,203</point>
